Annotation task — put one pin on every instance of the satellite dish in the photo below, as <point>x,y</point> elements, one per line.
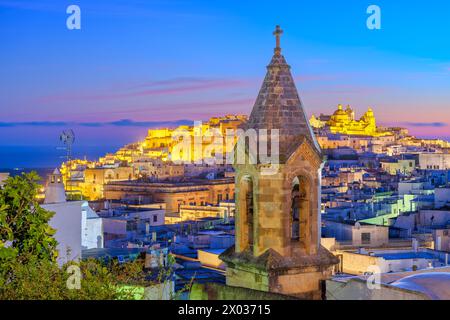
<point>357,225</point>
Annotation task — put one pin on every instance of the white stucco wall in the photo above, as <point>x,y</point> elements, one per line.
<point>357,289</point>
<point>402,264</point>
<point>378,235</point>
<point>114,226</point>
<point>441,197</point>
<point>67,222</point>
<point>92,236</point>
<point>440,217</point>
<point>143,215</point>
<point>77,227</point>
<point>439,161</point>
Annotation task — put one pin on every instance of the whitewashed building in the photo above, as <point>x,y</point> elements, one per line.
<point>77,226</point>
<point>434,161</point>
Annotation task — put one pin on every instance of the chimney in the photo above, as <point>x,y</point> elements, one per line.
<point>438,243</point>
<point>415,245</point>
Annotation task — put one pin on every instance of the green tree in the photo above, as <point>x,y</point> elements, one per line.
<point>45,280</point>
<point>28,267</point>
<point>24,230</point>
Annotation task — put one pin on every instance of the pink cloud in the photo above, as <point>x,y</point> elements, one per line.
<point>194,110</point>
<point>155,88</point>
<point>345,89</point>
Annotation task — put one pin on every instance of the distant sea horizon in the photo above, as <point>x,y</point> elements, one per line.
<point>16,158</point>
<point>25,158</point>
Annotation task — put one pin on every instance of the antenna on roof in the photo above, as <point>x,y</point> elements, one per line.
<point>68,138</point>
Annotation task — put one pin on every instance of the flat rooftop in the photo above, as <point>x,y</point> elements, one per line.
<point>188,183</point>
<point>405,255</point>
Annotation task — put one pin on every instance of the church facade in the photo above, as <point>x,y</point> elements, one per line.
<point>344,122</point>
<point>277,247</point>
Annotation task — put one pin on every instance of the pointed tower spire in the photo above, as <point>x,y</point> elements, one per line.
<point>278,106</point>
<point>277,245</point>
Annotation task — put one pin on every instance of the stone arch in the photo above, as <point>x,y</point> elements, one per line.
<point>246,206</point>
<point>301,211</point>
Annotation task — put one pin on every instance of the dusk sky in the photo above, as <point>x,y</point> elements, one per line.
<point>136,63</point>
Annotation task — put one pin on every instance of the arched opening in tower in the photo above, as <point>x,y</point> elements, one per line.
<point>295,214</point>
<point>300,211</point>
<point>247,212</point>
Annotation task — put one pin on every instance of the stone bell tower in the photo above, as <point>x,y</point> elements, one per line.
<point>277,247</point>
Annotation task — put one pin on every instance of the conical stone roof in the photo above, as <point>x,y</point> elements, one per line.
<point>278,106</point>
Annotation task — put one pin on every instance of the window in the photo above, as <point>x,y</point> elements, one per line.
<point>245,204</point>
<point>300,230</point>
<point>249,205</point>
<point>295,212</point>
<point>365,238</point>
<point>155,218</point>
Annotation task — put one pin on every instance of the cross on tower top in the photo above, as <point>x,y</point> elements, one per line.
<point>277,33</point>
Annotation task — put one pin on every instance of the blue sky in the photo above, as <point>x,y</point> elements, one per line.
<point>149,62</point>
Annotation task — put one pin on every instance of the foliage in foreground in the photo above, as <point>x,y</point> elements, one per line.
<point>24,230</point>
<point>28,267</point>
<point>45,280</point>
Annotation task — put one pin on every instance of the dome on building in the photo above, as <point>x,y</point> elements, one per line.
<point>340,111</point>
<point>435,285</point>
<point>340,115</point>
<point>369,112</point>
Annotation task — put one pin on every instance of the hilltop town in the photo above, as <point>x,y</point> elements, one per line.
<point>350,200</point>
<point>384,204</point>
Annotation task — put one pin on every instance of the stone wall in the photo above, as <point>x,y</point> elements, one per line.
<point>214,291</point>
<point>357,289</point>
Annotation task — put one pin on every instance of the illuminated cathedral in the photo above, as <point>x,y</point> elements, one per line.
<point>344,122</point>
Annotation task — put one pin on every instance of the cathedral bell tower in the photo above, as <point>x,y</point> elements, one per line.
<point>277,247</point>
